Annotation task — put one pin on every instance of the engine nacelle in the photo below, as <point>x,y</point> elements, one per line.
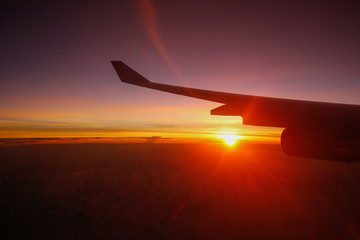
<point>323,144</point>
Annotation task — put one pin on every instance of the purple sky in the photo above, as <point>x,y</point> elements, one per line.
<point>55,69</point>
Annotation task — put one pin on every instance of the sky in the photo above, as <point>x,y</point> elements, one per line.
<point>56,79</point>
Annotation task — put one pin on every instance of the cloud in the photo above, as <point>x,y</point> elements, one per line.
<point>72,140</point>
<point>154,139</point>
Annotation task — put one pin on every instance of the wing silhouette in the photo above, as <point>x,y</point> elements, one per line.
<point>312,129</point>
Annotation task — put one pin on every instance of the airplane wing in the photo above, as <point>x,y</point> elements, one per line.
<point>255,110</point>
<point>312,129</point>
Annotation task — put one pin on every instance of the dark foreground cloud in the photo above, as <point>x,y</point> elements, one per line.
<point>174,191</point>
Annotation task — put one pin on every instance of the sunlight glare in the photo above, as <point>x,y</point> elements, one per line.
<point>229,139</point>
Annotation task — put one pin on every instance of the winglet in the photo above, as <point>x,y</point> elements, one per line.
<point>128,75</point>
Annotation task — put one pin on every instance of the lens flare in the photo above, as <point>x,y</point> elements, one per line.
<point>151,23</point>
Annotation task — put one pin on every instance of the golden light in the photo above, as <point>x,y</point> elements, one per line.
<point>229,139</point>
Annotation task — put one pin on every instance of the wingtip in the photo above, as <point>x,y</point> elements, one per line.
<point>128,75</point>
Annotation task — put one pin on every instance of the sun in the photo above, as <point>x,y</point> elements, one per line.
<point>229,139</point>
